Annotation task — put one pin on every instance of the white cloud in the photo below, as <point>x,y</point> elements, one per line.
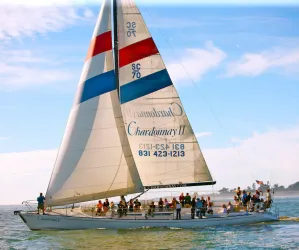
<point>254,64</point>
<point>202,134</point>
<point>195,63</point>
<point>3,138</point>
<point>23,68</point>
<point>24,175</point>
<point>270,156</point>
<point>26,20</point>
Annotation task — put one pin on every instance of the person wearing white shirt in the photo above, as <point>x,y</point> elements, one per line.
<point>224,209</point>
<point>178,210</point>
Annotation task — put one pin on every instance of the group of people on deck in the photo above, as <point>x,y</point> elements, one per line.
<point>247,201</point>
<point>199,207</point>
<point>121,209</point>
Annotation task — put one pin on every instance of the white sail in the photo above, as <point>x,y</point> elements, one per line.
<point>163,143</point>
<point>95,160</point>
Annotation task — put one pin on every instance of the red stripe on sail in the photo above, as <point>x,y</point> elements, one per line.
<point>137,51</point>
<point>99,44</point>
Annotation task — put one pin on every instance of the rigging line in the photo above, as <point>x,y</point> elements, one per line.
<point>145,191</point>
<point>193,82</point>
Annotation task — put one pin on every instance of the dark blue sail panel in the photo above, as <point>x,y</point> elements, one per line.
<point>144,86</point>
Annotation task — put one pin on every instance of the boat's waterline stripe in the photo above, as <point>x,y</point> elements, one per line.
<point>98,85</point>
<point>99,44</point>
<point>144,86</point>
<point>137,51</point>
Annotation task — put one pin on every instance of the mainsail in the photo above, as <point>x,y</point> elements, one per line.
<point>95,160</point>
<point>163,143</point>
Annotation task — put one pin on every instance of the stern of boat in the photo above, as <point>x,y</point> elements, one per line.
<point>273,213</point>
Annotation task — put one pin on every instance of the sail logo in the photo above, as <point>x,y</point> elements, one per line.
<point>155,131</point>
<point>174,110</point>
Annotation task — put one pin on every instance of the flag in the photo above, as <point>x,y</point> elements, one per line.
<point>259,182</point>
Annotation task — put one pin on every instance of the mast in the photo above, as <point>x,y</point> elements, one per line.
<point>115,43</point>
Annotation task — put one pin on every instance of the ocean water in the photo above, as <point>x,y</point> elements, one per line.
<point>284,234</point>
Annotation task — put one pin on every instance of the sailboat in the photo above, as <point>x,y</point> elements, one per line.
<point>127,133</point>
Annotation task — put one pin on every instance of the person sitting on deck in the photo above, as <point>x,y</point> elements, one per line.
<point>230,208</point>
<point>167,206</point>
<point>256,197</point>
<point>112,207</point>
<point>99,208</point>
<point>122,208</point>
<point>236,204</point>
<point>151,209</point>
<point>262,205</point>
<point>122,198</point>
<point>178,210</point>
<point>198,206</point>
<point>131,205</point>
<point>182,199</point>
<point>223,210</point>
<point>160,205</point>
<point>210,205</point>
<point>204,206</point>
<point>187,199</point>
<point>41,203</point>
<point>137,205</point>
<point>106,206</point>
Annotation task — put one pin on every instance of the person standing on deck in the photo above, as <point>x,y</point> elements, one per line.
<point>193,206</point>
<point>268,198</point>
<point>238,193</point>
<point>41,203</point>
<point>199,206</point>
<point>178,210</point>
<point>182,199</point>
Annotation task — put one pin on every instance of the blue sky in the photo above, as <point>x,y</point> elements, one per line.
<point>238,79</point>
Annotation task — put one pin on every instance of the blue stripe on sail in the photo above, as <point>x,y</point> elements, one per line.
<point>145,86</point>
<point>98,85</point>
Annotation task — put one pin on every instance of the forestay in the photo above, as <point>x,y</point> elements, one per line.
<point>163,143</point>
<point>95,160</point>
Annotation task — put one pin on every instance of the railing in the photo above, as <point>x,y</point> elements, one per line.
<point>29,205</point>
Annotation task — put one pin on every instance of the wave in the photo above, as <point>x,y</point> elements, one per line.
<point>289,218</point>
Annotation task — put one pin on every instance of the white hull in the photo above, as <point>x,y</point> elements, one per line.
<point>61,222</point>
